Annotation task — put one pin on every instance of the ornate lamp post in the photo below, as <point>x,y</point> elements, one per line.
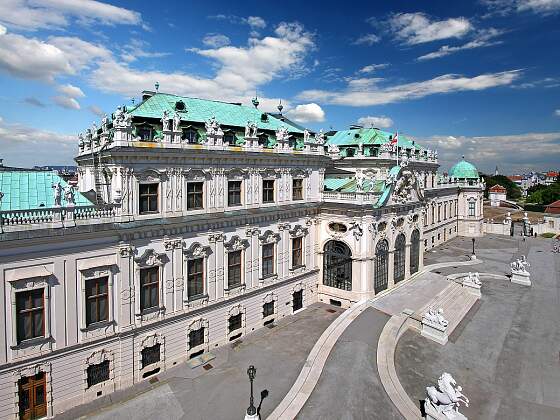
<point>251,411</point>
<point>473,254</point>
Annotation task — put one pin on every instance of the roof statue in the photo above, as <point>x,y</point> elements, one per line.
<point>176,121</point>
<point>306,135</point>
<point>165,120</point>
<point>282,134</point>
<point>104,123</point>
<point>69,195</point>
<point>57,194</point>
<point>446,397</point>
<point>212,127</point>
<point>248,129</point>
<point>360,178</point>
<point>320,137</point>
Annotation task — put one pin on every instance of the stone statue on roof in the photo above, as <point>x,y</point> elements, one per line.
<point>360,178</point>
<point>282,134</point>
<point>306,135</point>
<point>320,137</point>
<point>248,129</point>
<point>176,121</point>
<point>104,123</point>
<point>254,129</point>
<point>165,120</point>
<point>57,194</point>
<point>69,195</point>
<point>212,127</point>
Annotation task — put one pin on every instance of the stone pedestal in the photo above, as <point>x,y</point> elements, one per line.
<point>472,288</point>
<point>252,416</point>
<point>435,332</point>
<point>433,414</point>
<point>521,277</point>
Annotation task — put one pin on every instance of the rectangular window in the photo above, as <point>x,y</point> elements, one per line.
<point>267,260</point>
<point>195,196</point>
<point>472,208</point>
<point>268,191</point>
<point>234,269</point>
<point>148,198</point>
<point>297,252</point>
<point>268,309</point>
<point>97,373</point>
<point>234,193</point>
<point>298,300</point>
<point>297,189</point>
<point>195,277</point>
<point>234,322</point>
<point>151,355</point>
<point>196,338</point>
<point>97,300</point>
<point>32,396</point>
<point>149,288</point>
<point>30,314</point>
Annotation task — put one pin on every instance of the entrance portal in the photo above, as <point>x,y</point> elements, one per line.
<point>32,392</point>
<point>337,265</point>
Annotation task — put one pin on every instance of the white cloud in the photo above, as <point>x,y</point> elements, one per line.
<point>31,58</point>
<point>34,101</point>
<point>256,22</point>
<point>546,83</point>
<point>66,102</point>
<point>372,68</point>
<point>483,39</point>
<point>94,109</point>
<point>305,113</point>
<point>417,28</point>
<point>373,95</point>
<point>54,14</point>
<point>557,112</point>
<point>216,40</point>
<point>71,91</point>
<point>540,7</point>
<point>377,122</point>
<point>240,70</point>
<point>16,140</point>
<point>485,152</point>
<point>368,39</point>
<point>137,48</point>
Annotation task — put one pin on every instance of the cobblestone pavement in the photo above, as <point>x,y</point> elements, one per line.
<point>222,392</point>
<point>505,352</point>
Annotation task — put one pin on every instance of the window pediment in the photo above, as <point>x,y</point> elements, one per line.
<point>298,231</point>
<point>269,237</point>
<point>150,175</point>
<point>236,244</point>
<point>150,258</point>
<point>196,250</point>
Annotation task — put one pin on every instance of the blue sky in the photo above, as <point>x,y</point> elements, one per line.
<point>477,78</point>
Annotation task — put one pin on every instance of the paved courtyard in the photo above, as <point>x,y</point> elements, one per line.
<point>505,352</point>
<point>222,392</point>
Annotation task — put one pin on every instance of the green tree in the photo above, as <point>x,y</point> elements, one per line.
<point>513,192</point>
<point>546,195</point>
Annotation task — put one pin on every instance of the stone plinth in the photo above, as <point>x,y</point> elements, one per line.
<point>252,416</point>
<point>433,414</point>
<point>435,332</point>
<point>520,277</point>
<point>472,287</point>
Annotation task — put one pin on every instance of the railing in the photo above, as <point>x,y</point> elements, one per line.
<point>63,216</point>
<point>355,197</point>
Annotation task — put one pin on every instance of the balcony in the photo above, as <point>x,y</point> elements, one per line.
<point>350,197</point>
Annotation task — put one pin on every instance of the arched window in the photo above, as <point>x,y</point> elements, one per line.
<point>400,256</point>
<point>229,138</point>
<point>414,251</point>
<point>381,279</point>
<point>263,140</point>
<point>337,265</point>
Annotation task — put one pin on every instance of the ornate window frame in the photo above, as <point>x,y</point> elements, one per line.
<point>149,176</point>
<point>268,237</point>
<point>39,344</point>
<point>103,328</point>
<point>195,325</point>
<point>270,297</point>
<point>235,244</point>
<point>146,341</point>
<point>149,259</point>
<point>96,357</point>
<point>298,287</point>
<point>298,232</point>
<point>31,370</point>
<point>234,311</point>
<point>194,251</point>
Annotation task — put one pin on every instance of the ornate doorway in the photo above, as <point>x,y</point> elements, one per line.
<point>414,251</point>
<point>381,279</point>
<point>400,257</point>
<point>337,265</point>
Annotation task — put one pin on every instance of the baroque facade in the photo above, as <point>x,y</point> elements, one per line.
<point>205,221</point>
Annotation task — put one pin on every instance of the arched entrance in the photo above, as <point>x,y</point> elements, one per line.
<point>381,279</point>
<point>337,265</point>
<point>414,251</point>
<point>400,257</point>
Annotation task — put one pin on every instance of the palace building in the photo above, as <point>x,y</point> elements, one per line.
<point>195,222</point>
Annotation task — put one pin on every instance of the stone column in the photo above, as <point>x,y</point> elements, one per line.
<point>407,261</point>
<point>391,276</point>
<point>125,302</point>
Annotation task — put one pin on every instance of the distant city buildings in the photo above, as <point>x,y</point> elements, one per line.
<point>526,181</point>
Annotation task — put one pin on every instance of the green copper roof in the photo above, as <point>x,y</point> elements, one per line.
<point>201,110</point>
<point>349,185</point>
<point>32,190</point>
<point>464,170</point>
<point>371,136</point>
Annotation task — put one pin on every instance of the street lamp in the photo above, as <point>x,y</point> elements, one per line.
<point>473,254</point>
<point>251,411</point>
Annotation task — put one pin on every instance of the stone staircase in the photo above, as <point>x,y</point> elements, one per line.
<point>456,302</point>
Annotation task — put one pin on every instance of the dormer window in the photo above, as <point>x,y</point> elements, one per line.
<point>264,117</point>
<point>180,106</point>
<point>145,133</point>
<point>190,135</point>
<point>263,140</point>
<point>229,138</point>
